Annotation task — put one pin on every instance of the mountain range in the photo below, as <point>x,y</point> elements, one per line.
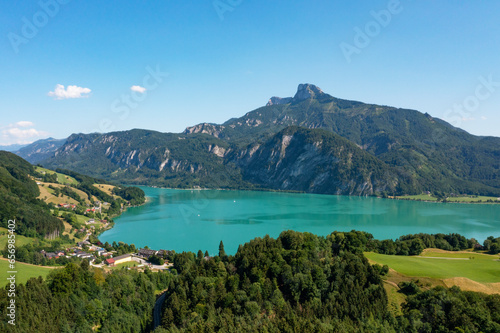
<point>310,142</point>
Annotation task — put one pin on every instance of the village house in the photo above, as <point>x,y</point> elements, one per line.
<point>163,253</point>
<point>110,262</point>
<point>71,251</point>
<point>52,255</point>
<point>66,205</point>
<point>95,248</point>
<point>123,258</point>
<point>81,244</point>
<point>118,260</point>
<point>146,253</point>
<point>82,254</point>
<point>103,253</point>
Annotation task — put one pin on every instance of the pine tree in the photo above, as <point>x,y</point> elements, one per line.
<point>222,252</point>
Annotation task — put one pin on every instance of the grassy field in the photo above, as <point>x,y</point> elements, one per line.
<point>108,189</point>
<point>125,264</point>
<point>62,179</point>
<point>464,199</point>
<point>437,264</point>
<point>423,197</point>
<point>47,195</point>
<point>20,240</point>
<point>67,231</point>
<point>472,199</point>
<point>24,272</point>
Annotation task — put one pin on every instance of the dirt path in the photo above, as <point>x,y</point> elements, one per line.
<point>434,250</point>
<point>442,258</point>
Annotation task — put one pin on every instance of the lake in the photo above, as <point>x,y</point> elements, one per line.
<point>189,220</point>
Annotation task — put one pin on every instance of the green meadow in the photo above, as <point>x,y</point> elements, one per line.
<point>24,272</point>
<point>62,179</point>
<point>125,264</point>
<point>481,268</point>
<point>20,240</point>
<point>422,197</point>
<point>461,199</point>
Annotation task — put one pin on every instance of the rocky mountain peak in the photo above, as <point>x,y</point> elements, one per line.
<point>306,91</point>
<point>278,100</point>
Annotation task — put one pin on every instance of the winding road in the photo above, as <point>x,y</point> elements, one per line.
<point>157,310</point>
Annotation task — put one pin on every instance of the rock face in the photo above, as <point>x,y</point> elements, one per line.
<point>306,91</point>
<point>278,101</point>
<point>298,159</point>
<point>147,157</point>
<point>211,129</point>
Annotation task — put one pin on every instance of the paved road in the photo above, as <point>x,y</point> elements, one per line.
<point>157,310</point>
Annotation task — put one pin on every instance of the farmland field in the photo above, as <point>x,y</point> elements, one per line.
<point>437,264</point>
<point>24,271</point>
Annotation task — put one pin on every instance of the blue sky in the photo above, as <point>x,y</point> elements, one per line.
<point>208,61</point>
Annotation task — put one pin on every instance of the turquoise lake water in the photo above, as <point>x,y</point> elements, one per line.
<point>186,220</point>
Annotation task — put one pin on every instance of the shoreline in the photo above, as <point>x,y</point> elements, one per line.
<point>111,225</point>
<point>333,194</point>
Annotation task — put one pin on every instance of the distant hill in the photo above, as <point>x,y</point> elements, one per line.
<point>150,157</point>
<point>419,152</point>
<point>39,150</point>
<point>13,147</point>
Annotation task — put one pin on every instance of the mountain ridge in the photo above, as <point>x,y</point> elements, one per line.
<point>426,153</point>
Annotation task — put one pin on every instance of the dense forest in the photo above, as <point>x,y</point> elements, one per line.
<point>18,195</point>
<point>298,282</point>
<point>407,245</point>
<point>304,283</point>
<point>79,298</point>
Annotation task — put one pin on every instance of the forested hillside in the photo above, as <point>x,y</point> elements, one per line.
<point>304,283</point>
<point>150,158</point>
<point>35,216</point>
<point>79,298</point>
<point>298,282</point>
<point>18,197</point>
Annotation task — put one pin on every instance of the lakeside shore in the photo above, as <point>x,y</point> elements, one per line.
<point>410,197</point>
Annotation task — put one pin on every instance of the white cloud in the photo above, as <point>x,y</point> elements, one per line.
<point>483,118</point>
<point>138,89</point>
<point>24,123</point>
<point>70,92</point>
<point>21,132</point>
